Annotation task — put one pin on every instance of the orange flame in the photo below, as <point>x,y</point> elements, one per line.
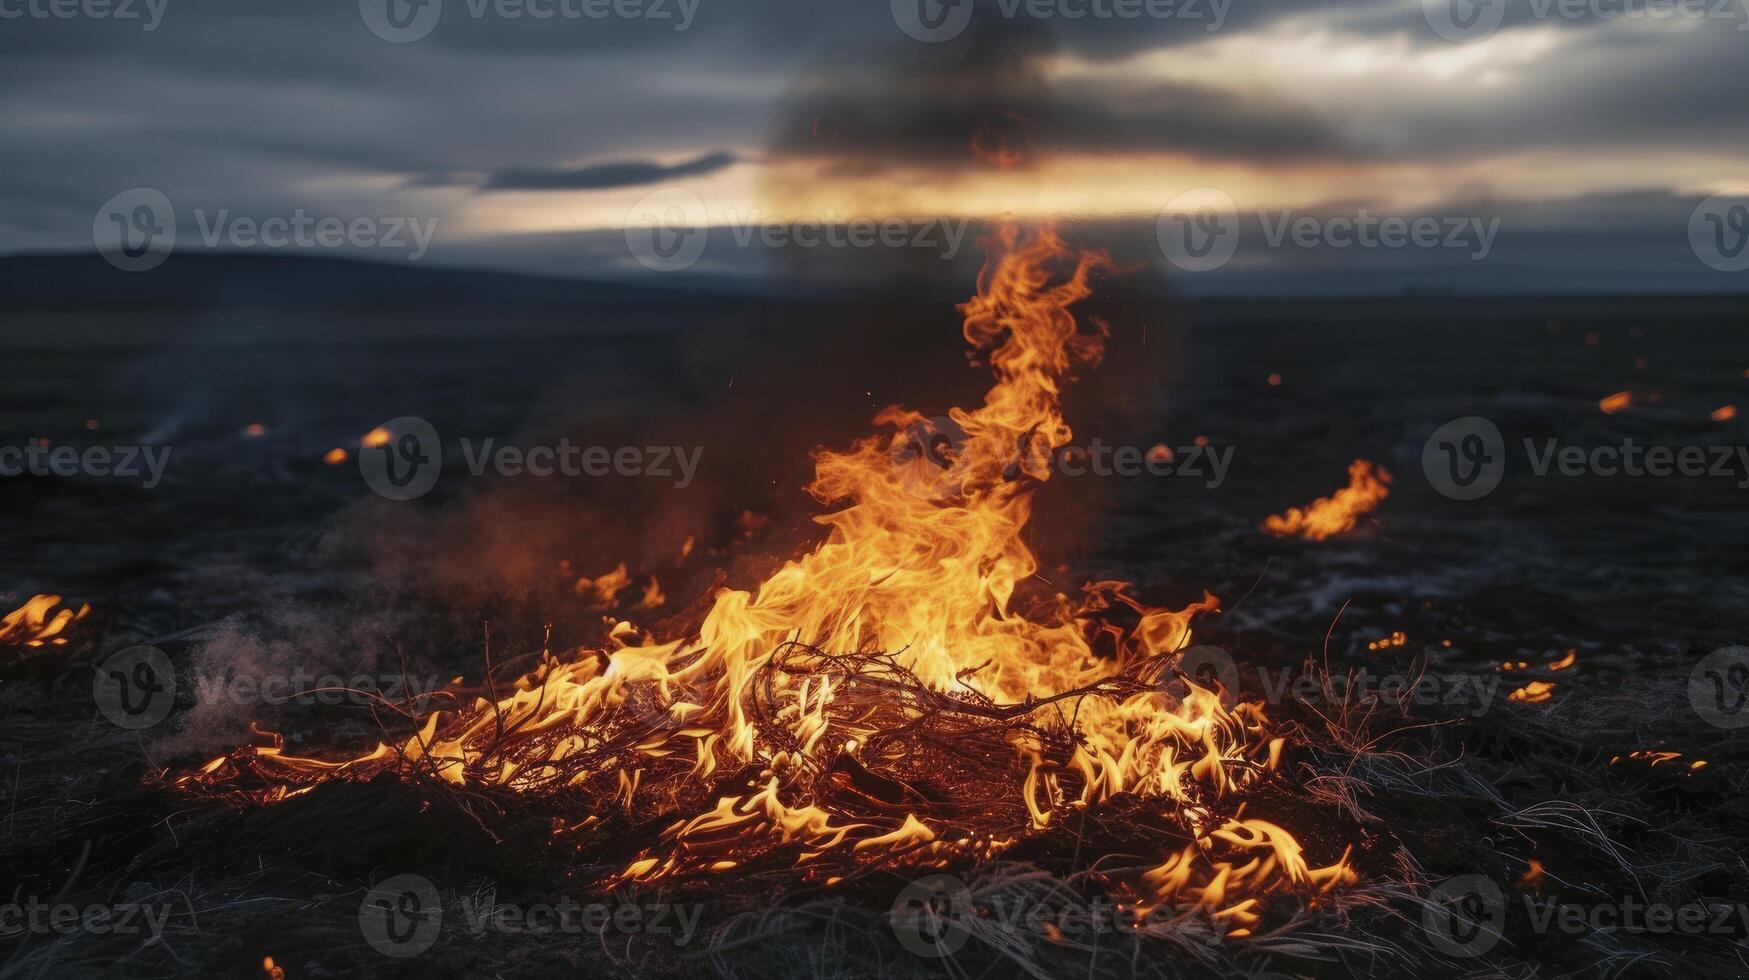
<point>928,559</point>
<point>31,624</point>
<point>1329,516</point>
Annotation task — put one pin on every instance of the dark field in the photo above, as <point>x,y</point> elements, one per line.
<point>253,556</point>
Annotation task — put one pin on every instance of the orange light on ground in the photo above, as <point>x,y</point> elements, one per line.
<point>1611,404</point>
<point>378,436</point>
<point>1724,413</point>
<point>335,456</point>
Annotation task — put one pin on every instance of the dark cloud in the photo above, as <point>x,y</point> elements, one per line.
<point>623,173</point>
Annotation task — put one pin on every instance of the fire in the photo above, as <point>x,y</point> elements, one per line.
<point>31,624</point>
<point>1724,413</point>
<point>1326,517</point>
<point>1536,692</point>
<point>906,693</point>
<point>1611,404</point>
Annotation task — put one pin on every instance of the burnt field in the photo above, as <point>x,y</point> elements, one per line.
<point>1505,684</point>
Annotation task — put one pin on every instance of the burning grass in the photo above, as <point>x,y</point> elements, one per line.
<point>905,696</point>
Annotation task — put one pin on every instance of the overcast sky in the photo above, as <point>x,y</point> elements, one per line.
<point>528,139</point>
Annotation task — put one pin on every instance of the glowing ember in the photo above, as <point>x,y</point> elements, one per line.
<point>1611,404</point>
<point>905,694</point>
<point>378,436</point>
<point>335,456</point>
<point>32,625</point>
<point>1536,692</point>
<point>1329,516</point>
<point>1396,639</point>
<point>1724,413</point>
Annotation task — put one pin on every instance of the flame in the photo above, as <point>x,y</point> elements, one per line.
<point>31,624</point>
<point>1536,692</point>
<point>1326,517</point>
<point>1611,404</point>
<point>791,723</point>
<point>273,972</point>
<point>1724,413</point>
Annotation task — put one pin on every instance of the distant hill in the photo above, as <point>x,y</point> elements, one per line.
<point>84,280</point>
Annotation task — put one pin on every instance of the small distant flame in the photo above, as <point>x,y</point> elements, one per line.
<point>1724,413</point>
<point>1532,878</point>
<point>378,436</point>
<point>255,430</point>
<point>31,624</point>
<point>1327,517</point>
<point>335,456</point>
<point>1536,692</point>
<point>1566,661</point>
<point>273,972</point>
<point>1611,404</point>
